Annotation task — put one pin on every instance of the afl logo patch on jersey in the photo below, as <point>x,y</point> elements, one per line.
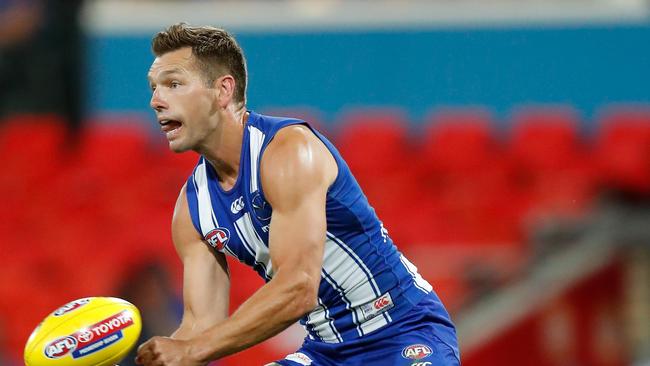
<point>218,238</point>
<point>416,351</point>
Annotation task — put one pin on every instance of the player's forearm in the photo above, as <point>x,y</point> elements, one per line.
<point>273,308</point>
<point>186,332</point>
<point>191,327</point>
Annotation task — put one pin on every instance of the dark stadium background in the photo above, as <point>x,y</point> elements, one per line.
<point>508,154</point>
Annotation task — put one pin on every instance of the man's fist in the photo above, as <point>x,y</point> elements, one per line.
<point>164,351</point>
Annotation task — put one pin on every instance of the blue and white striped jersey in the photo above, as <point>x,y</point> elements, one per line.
<point>366,283</point>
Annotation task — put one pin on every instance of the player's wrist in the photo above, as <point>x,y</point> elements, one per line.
<point>199,350</point>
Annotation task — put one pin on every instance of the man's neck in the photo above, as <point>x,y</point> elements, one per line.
<point>225,157</point>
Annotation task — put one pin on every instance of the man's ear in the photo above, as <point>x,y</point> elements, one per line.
<point>225,88</point>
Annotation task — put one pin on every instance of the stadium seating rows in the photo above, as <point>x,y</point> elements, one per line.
<point>458,196</point>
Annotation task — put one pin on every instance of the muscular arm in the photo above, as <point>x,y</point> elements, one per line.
<point>296,171</point>
<point>206,283</point>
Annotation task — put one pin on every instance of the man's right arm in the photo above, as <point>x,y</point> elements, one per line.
<point>206,282</point>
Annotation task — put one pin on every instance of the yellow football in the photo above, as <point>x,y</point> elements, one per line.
<point>93,331</point>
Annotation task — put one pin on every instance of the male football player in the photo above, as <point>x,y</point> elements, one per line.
<point>275,194</point>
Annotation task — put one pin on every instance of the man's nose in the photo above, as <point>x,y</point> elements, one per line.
<point>157,101</point>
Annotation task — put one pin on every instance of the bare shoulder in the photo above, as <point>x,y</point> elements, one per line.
<point>183,231</point>
<point>295,157</point>
<point>294,141</point>
<point>295,133</point>
<point>181,217</point>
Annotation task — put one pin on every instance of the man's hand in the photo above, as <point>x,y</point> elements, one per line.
<point>164,351</point>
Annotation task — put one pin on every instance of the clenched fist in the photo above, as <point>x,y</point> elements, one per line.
<point>165,351</point>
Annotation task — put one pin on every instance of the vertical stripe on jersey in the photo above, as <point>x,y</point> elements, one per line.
<point>256,141</point>
<point>254,244</point>
<point>355,258</point>
<point>204,202</point>
<point>320,321</point>
<point>308,325</point>
<point>324,329</point>
<point>311,336</point>
<point>330,321</point>
<point>342,268</point>
<point>420,282</point>
<point>252,254</point>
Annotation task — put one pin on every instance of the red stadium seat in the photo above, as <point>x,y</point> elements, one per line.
<point>623,149</point>
<point>31,147</point>
<point>463,170</point>
<point>115,150</point>
<point>374,143</point>
<point>28,134</point>
<point>375,147</point>
<point>552,162</point>
<point>459,141</point>
<point>547,139</point>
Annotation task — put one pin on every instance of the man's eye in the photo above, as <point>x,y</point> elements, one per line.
<point>175,84</point>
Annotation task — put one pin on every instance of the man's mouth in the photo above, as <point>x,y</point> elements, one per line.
<point>169,126</point>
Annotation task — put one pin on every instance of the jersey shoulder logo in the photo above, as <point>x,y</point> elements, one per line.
<point>261,208</point>
<point>218,238</point>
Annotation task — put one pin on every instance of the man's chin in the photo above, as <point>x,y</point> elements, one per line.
<point>177,147</point>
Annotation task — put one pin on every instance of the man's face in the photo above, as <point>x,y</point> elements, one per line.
<point>185,107</point>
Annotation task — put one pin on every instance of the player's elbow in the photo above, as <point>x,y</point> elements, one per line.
<point>304,296</point>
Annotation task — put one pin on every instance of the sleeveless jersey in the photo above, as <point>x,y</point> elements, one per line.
<point>366,283</point>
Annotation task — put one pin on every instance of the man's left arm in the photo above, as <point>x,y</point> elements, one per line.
<point>296,171</point>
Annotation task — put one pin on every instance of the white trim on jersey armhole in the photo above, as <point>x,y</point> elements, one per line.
<point>420,282</point>
<point>204,202</point>
<point>256,141</point>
